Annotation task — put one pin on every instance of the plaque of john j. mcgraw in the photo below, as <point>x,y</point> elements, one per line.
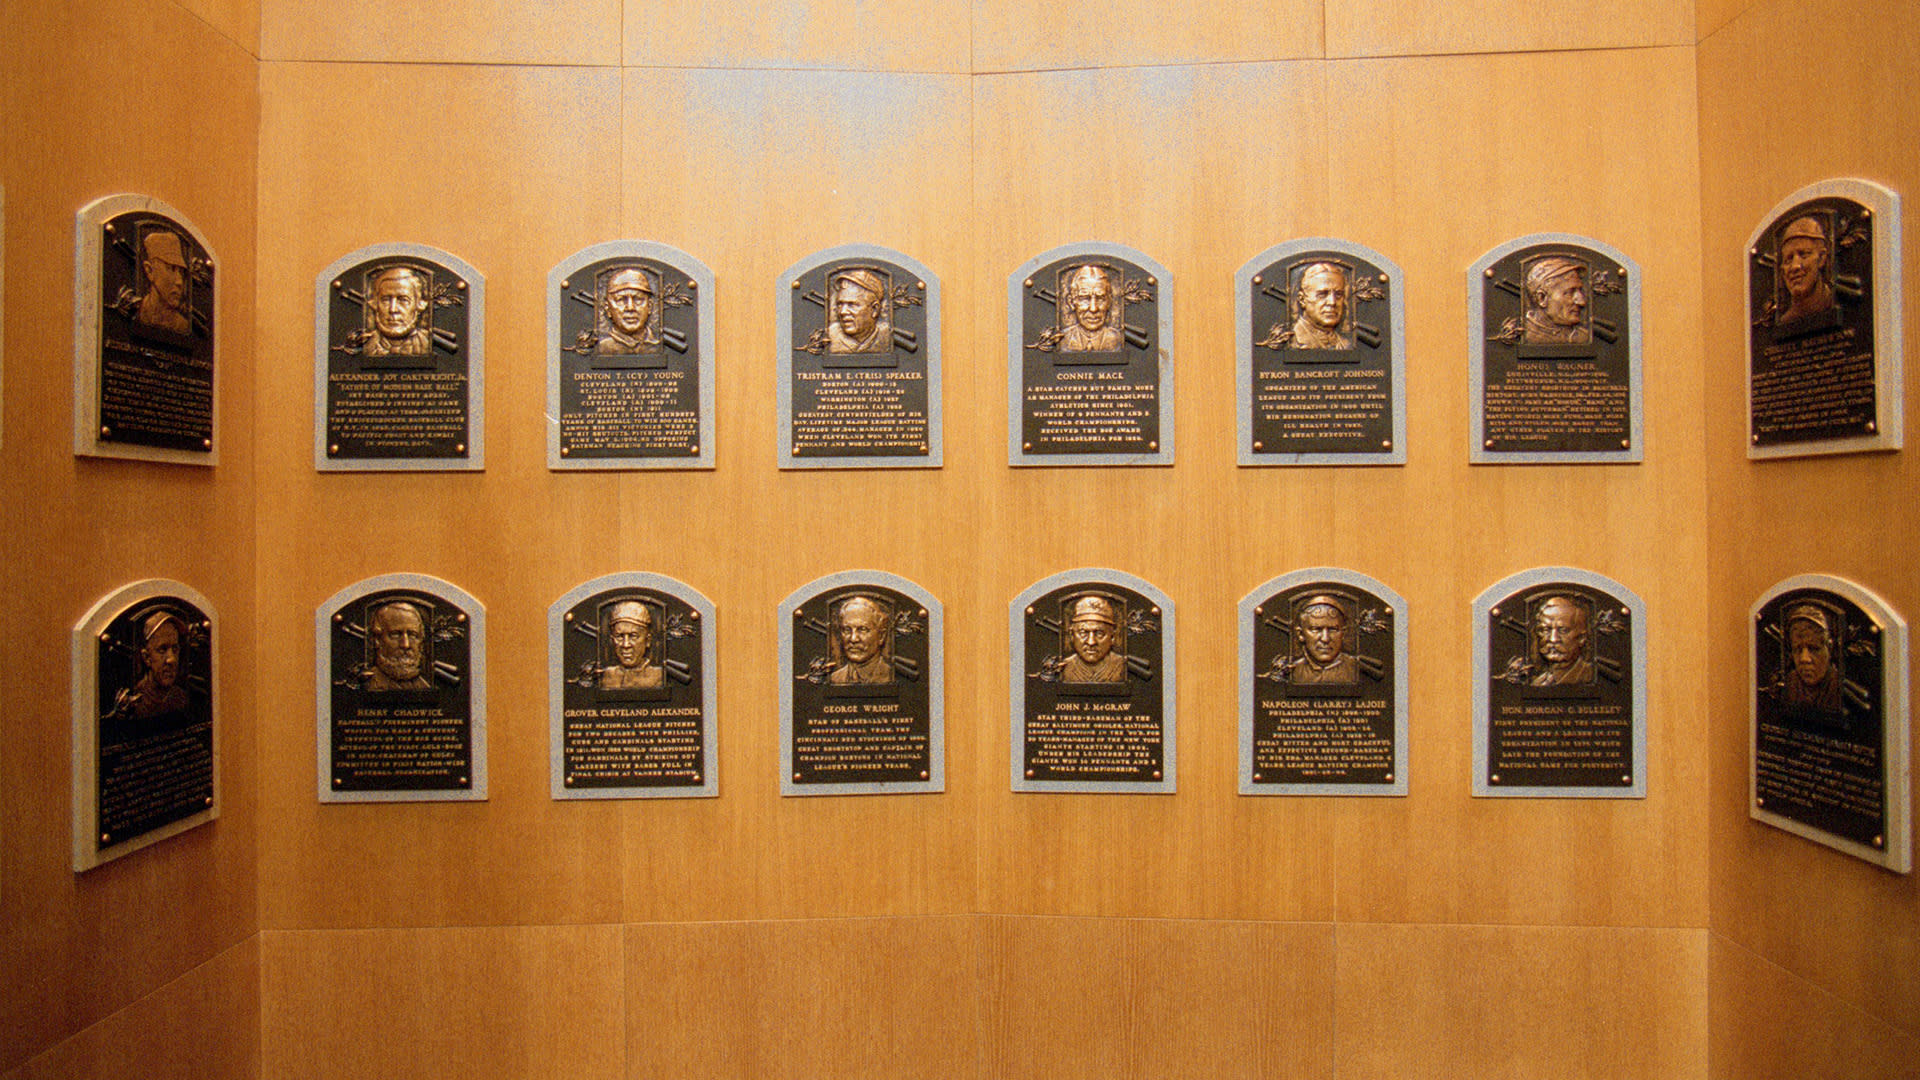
<point>1553,333</point>
<point>1559,691</point>
<point>1090,359</point>
<point>144,381</point>
<point>862,687</point>
<point>1823,335</point>
<point>399,362</point>
<point>400,688</point>
<point>858,348</point>
<point>1321,340</point>
<point>1829,740</point>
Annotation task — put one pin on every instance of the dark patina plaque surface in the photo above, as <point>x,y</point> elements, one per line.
<point>1560,696</point>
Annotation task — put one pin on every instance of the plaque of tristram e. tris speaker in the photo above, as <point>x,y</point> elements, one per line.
<point>1553,331</point>
<point>399,362</point>
<point>1829,738</point>
<point>630,359</point>
<point>1823,335</point>
<point>862,687</point>
<point>630,690</point>
<point>1320,333</point>
<point>1323,700</point>
<point>143,330</point>
<point>858,351</point>
<point>1559,690</point>
<point>145,730</point>
<point>1092,687</point>
<point>1090,359</point>
<point>400,686</point>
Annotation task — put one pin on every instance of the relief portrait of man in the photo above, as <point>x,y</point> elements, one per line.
<point>627,310</point>
<point>1560,637</point>
<point>863,632</point>
<point>1320,631</point>
<point>159,693</point>
<point>1089,311</point>
<point>1320,308</point>
<point>163,264</point>
<point>1806,258</point>
<point>1813,681</point>
<point>398,307</point>
<point>630,633</point>
<point>398,633</point>
<point>858,320</point>
<point>1556,292</point>
<point>1093,631</point>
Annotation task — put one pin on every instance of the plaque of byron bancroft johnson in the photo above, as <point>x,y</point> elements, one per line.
<point>1830,737</point>
<point>1320,333</point>
<point>145,730</point>
<point>1323,697</point>
<point>630,359</point>
<point>858,351</point>
<point>1559,690</point>
<point>399,362</point>
<point>1823,335</point>
<point>144,381</point>
<point>1092,685</point>
<point>400,688</point>
<point>862,687</point>
<point>1553,332</point>
<point>630,690</point>
<point>1090,359</point>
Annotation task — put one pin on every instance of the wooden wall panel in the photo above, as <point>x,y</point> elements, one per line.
<point>422,31</point>
<point>239,20</point>
<point>889,35</point>
<point>1767,1023</point>
<point>1013,36</point>
<point>1410,28</point>
<point>1711,15</point>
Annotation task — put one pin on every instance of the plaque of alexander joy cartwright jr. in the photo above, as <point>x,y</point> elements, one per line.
<point>1830,738</point>
<point>1553,332</point>
<point>630,690</point>
<point>630,359</point>
<point>1323,695</point>
<point>144,373</point>
<point>1559,687</point>
<point>1091,685</point>
<point>858,352</point>
<point>1823,335</point>
<point>1320,334</point>
<point>862,687</point>
<point>401,692</point>
<point>146,732</point>
<point>1090,359</point>
<point>399,362</point>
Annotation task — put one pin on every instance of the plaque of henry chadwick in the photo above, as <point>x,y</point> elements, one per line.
<point>1829,742</point>
<point>398,361</point>
<point>630,359</point>
<point>1090,359</point>
<point>1823,336</point>
<point>143,383</point>
<point>1320,331</point>
<point>858,349</point>
<point>1553,332</point>
<point>1092,685</point>
<point>400,688</point>
<point>862,687</point>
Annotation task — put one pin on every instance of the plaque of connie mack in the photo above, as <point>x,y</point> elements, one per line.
<point>1092,685</point>
<point>1829,742</point>
<point>630,690</point>
<point>400,692</point>
<point>399,362</point>
<point>862,687</point>
<point>1823,334</point>
<point>1559,687</point>
<point>144,381</point>
<point>145,730</point>
<point>1090,359</point>
<point>1553,332</point>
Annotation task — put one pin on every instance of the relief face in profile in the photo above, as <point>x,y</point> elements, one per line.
<point>627,311</point>
<point>1320,308</point>
<point>1805,262</point>
<point>163,262</point>
<point>399,635</point>
<point>863,632</point>
<point>397,306</point>
<point>1093,631</point>
<point>630,632</point>
<point>1556,291</point>
<point>1560,637</point>
<point>1090,315</point>
<point>857,319</point>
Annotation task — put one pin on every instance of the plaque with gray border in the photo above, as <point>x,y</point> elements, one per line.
<point>1559,687</point>
<point>399,362</point>
<point>1323,694</point>
<point>862,687</point>
<point>1090,358</point>
<point>1553,337</point>
<point>630,359</point>
<point>401,693</point>
<point>1829,743</point>
<point>1320,337</point>
<point>1092,685</point>
<point>146,732</point>
<point>145,381</point>
<point>858,348</point>
<point>1824,348</point>
<point>630,690</point>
